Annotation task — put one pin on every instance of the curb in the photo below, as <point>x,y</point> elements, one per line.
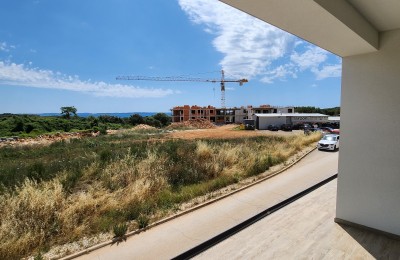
<point>98,246</point>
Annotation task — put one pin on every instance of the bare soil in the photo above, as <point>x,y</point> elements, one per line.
<point>225,131</point>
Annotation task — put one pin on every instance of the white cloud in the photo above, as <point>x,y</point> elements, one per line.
<point>252,48</point>
<point>249,45</point>
<point>310,59</point>
<point>328,71</point>
<point>281,72</point>
<point>5,47</point>
<point>20,75</point>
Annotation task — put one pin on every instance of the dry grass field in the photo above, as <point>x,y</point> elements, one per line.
<point>75,190</point>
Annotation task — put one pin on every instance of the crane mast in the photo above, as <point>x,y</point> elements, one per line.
<point>222,81</point>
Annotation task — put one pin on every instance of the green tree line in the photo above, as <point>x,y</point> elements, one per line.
<point>334,111</point>
<point>34,125</point>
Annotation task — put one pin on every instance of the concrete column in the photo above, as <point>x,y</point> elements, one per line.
<point>369,160</point>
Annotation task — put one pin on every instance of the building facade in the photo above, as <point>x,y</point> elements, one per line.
<point>264,120</point>
<point>224,115</point>
<point>186,113</point>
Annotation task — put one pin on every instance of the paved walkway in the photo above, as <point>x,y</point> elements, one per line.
<point>305,229</point>
<point>181,234</point>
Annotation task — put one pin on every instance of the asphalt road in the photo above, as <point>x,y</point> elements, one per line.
<point>181,234</point>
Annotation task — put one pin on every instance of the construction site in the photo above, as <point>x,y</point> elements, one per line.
<point>224,115</point>
<point>233,115</point>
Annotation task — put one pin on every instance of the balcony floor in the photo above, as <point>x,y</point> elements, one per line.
<point>305,230</point>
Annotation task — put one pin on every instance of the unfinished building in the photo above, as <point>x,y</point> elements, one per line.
<point>224,115</point>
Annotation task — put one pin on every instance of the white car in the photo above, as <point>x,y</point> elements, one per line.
<point>329,142</point>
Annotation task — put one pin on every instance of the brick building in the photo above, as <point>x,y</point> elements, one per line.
<point>224,115</point>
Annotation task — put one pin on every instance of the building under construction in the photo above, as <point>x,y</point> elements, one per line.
<point>224,115</point>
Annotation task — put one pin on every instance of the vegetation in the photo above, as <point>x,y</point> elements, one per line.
<point>334,111</point>
<point>59,193</point>
<point>120,233</point>
<point>67,111</point>
<point>34,125</point>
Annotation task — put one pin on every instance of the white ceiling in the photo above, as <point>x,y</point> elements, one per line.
<point>343,27</point>
<point>384,15</point>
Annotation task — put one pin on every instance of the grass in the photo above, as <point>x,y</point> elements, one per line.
<point>120,232</point>
<point>60,193</point>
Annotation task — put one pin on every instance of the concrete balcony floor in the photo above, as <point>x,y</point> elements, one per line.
<point>305,230</point>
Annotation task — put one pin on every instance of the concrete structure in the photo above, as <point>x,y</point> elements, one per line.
<point>224,115</point>
<point>366,34</point>
<point>186,112</point>
<point>334,119</point>
<point>264,120</point>
<point>250,111</point>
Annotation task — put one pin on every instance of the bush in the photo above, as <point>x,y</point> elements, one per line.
<point>136,119</point>
<point>103,129</point>
<point>152,122</point>
<point>163,118</point>
<point>119,233</point>
<point>37,171</point>
<point>105,156</point>
<point>143,220</point>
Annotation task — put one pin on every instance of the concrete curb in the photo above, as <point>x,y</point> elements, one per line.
<point>98,246</point>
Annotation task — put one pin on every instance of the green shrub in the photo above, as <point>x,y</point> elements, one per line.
<point>120,230</point>
<point>103,129</point>
<point>105,156</point>
<point>37,171</point>
<point>143,221</point>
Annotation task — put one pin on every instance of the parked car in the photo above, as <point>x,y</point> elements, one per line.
<point>329,142</point>
<point>326,130</point>
<point>336,131</point>
<point>249,124</point>
<point>273,128</point>
<point>286,127</point>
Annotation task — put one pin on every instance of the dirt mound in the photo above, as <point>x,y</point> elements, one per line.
<point>143,127</point>
<point>193,124</point>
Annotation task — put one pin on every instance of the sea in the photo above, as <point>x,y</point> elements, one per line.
<point>121,115</point>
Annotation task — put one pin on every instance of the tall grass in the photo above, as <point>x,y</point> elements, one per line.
<point>113,180</point>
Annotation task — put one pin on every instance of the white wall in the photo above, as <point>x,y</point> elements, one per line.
<point>369,160</point>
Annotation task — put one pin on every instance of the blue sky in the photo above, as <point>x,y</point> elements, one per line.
<point>68,53</point>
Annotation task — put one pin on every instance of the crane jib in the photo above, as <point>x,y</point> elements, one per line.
<point>222,81</point>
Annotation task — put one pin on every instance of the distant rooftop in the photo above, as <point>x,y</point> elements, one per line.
<point>291,114</point>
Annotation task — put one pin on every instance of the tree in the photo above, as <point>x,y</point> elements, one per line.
<point>149,120</point>
<point>163,118</point>
<point>136,119</point>
<point>18,124</point>
<point>67,111</point>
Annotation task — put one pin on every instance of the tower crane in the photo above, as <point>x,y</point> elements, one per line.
<point>222,81</point>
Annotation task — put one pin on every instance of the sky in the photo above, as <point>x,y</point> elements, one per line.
<point>69,53</point>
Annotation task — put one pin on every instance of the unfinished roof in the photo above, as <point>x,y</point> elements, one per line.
<point>343,27</point>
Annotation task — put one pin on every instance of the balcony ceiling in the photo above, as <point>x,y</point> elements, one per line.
<point>343,27</point>
<point>384,15</point>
